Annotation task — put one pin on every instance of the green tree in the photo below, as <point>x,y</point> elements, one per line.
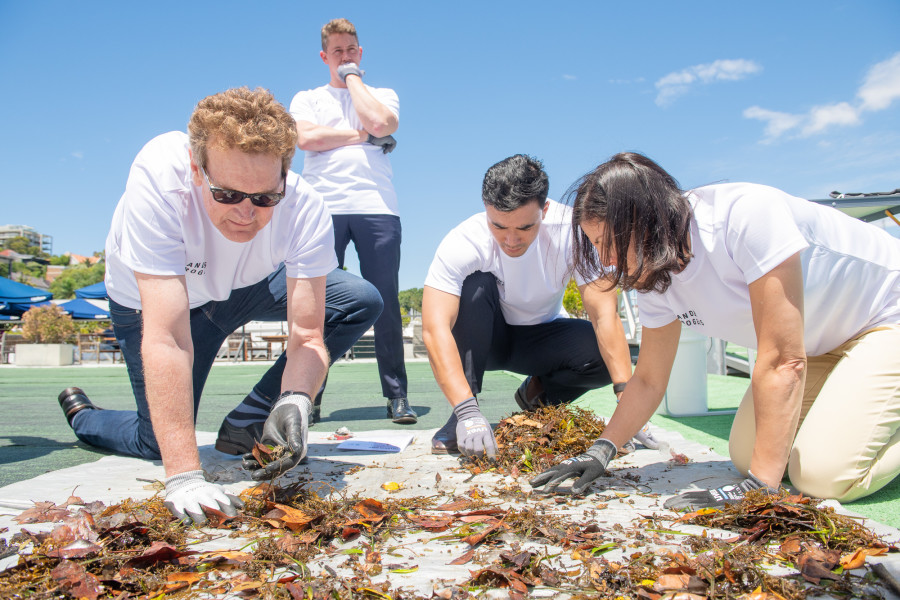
<point>22,245</point>
<point>76,277</point>
<point>572,301</point>
<point>61,260</point>
<point>411,300</point>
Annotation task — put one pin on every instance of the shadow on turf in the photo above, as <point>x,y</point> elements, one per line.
<point>366,413</point>
<point>30,447</point>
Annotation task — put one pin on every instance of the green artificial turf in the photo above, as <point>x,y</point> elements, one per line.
<point>35,438</point>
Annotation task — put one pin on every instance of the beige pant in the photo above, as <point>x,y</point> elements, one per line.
<point>848,441</point>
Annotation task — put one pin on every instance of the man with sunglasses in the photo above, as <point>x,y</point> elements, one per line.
<point>214,231</point>
<point>345,128</point>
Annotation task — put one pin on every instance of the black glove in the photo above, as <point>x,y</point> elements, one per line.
<point>587,467</point>
<point>716,498</point>
<point>349,68</point>
<point>288,426</point>
<point>473,432</point>
<point>387,142</point>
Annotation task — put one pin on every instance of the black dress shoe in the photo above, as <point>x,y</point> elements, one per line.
<point>444,440</point>
<point>72,400</point>
<point>399,411</point>
<point>238,440</point>
<point>532,403</point>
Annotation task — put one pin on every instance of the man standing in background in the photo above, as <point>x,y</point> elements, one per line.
<point>345,127</point>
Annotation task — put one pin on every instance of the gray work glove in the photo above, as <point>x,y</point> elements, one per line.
<point>716,497</point>
<point>349,68</point>
<point>587,467</point>
<point>188,493</point>
<point>387,142</point>
<point>473,432</point>
<point>288,426</point>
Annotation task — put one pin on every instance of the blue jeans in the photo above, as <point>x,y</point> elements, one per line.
<point>563,353</point>
<point>377,241</point>
<point>351,306</point>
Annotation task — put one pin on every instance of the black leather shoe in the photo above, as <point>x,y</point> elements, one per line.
<point>526,403</point>
<point>238,440</point>
<point>399,411</point>
<point>72,400</point>
<point>444,440</point>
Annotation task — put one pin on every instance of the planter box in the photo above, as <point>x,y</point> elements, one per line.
<point>44,355</point>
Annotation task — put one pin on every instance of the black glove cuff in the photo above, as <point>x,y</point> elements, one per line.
<point>618,388</point>
<point>603,450</point>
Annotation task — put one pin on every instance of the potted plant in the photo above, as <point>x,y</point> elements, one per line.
<point>45,331</point>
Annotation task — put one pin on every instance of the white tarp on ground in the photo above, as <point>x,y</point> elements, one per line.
<point>641,482</point>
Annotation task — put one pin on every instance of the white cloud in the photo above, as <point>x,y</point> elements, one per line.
<point>776,122</point>
<point>882,85</point>
<point>78,154</point>
<point>822,117</point>
<point>879,90</point>
<point>679,82</point>
<point>569,77</point>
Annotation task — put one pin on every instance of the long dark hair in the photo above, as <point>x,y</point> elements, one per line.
<point>640,204</point>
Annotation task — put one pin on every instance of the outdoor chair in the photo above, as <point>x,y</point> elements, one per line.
<point>8,343</point>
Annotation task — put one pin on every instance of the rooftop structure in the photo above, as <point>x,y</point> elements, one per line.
<point>43,241</point>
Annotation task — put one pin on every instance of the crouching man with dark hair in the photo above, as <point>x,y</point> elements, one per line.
<point>493,300</point>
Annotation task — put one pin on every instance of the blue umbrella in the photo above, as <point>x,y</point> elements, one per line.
<point>95,291</point>
<point>82,309</point>
<point>13,292</point>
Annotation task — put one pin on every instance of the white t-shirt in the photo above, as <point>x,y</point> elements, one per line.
<point>354,179</point>
<point>161,227</point>
<point>531,286</point>
<point>741,231</point>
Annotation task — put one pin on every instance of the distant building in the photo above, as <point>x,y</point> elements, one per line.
<point>44,242</point>
<point>77,259</point>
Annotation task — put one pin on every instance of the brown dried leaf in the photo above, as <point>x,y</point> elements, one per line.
<point>43,512</point>
<point>156,553</point>
<point>477,538</point>
<point>815,565</point>
<point>292,518</point>
<point>461,560</point>
<point>261,453</point>
<point>456,505</point>
<point>436,525</point>
<point>188,577</point>
<point>76,581</point>
<point>680,583</point>
<point>857,559</point>
<point>371,510</point>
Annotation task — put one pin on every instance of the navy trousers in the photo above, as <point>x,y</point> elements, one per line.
<point>562,353</point>
<point>377,241</point>
<point>351,306</point>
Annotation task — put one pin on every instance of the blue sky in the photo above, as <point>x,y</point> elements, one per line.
<point>804,96</point>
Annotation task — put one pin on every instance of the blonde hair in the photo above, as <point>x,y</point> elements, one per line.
<point>337,26</point>
<point>249,120</point>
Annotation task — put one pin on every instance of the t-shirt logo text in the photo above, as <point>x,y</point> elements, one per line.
<point>689,318</point>
<point>195,268</point>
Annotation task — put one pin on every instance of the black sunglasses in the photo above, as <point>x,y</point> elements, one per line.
<point>264,200</point>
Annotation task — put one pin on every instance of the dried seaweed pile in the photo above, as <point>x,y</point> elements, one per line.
<point>136,550</point>
<point>818,541</point>
<point>532,441</point>
<point>300,542</point>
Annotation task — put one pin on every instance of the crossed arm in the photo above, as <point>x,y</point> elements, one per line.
<point>376,119</point>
